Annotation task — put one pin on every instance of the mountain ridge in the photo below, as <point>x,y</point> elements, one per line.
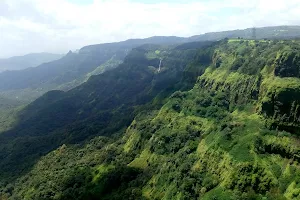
<point>27,61</point>
<point>230,108</point>
<point>75,68</point>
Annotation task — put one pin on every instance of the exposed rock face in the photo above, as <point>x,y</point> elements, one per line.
<point>283,108</point>
<point>281,103</point>
<point>288,64</point>
<point>244,81</point>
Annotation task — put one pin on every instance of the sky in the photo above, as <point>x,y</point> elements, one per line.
<point>57,26</point>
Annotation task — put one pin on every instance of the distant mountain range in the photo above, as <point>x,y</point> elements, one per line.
<point>75,68</point>
<point>217,120</point>
<point>26,61</point>
<point>272,32</point>
<point>158,118</point>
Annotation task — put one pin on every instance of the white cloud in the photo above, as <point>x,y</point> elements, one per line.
<point>58,25</point>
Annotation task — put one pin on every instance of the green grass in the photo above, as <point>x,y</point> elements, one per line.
<point>132,141</point>
<point>101,170</point>
<point>142,161</point>
<point>210,142</point>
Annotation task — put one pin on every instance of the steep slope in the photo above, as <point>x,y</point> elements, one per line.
<point>232,136</point>
<point>137,132</point>
<point>27,61</point>
<point>231,150</point>
<point>75,68</point>
<point>218,140</point>
<point>104,105</point>
<point>71,70</point>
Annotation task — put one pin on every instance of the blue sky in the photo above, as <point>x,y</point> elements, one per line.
<point>58,26</point>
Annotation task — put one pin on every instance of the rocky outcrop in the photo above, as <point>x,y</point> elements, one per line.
<point>288,64</point>
<point>283,109</point>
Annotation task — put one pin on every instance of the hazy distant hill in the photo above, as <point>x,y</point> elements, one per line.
<point>272,32</point>
<point>217,120</point>
<point>75,68</point>
<point>72,69</point>
<point>198,120</point>
<point>26,61</point>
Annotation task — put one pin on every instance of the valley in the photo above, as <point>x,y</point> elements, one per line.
<point>159,118</point>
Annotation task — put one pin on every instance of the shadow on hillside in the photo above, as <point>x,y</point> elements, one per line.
<point>104,105</point>
<point>74,117</point>
<point>122,182</point>
<point>19,153</point>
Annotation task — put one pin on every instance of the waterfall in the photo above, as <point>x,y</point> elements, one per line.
<point>159,67</point>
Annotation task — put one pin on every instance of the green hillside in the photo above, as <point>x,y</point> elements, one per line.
<point>74,69</point>
<point>71,70</point>
<point>220,120</point>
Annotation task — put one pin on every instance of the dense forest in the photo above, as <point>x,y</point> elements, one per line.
<point>38,75</point>
<point>216,120</point>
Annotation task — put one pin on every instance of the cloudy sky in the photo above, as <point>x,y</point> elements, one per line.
<point>57,26</point>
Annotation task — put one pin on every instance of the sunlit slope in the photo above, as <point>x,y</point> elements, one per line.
<point>217,122</point>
